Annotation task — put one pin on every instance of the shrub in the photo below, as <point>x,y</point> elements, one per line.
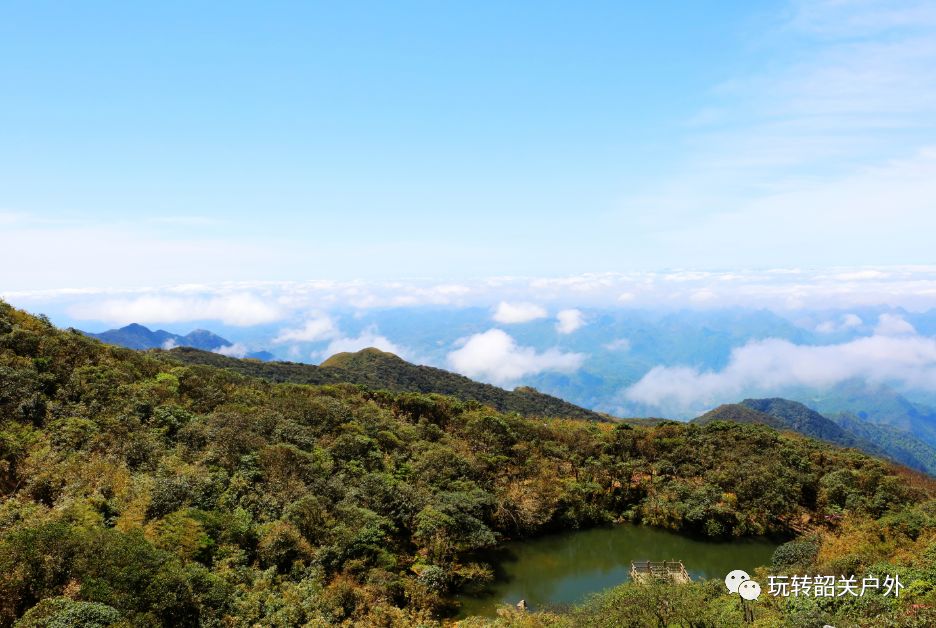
<point>795,553</point>
<point>63,612</point>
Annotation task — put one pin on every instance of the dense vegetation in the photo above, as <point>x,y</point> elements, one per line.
<point>896,444</point>
<point>878,405</point>
<point>379,370</point>
<point>804,420</point>
<point>842,429</point>
<point>737,413</point>
<point>139,491</point>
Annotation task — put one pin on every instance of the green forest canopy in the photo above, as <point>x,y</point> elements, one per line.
<point>379,370</point>
<point>139,491</point>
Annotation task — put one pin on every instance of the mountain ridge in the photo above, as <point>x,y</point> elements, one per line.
<point>842,430</point>
<point>139,337</point>
<point>378,369</point>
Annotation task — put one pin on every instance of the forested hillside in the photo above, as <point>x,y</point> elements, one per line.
<point>141,491</point>
<point>897,444</point>
<point>379,370</point>
<point>784,414</point>
<point>844,429</point>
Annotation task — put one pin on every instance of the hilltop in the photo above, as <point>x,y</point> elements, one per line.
<point>738,413</point>
<point>784,414</point>
<point>380,370</point>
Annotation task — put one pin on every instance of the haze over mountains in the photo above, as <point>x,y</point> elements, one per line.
<point>630,363</point>
<point>136,336</point>
<point>627,361</point>
<point>892,428</point>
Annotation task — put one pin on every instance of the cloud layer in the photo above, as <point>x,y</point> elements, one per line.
<point>832,143</point>
<point>843,323</point>
<point>236,350</point>
<point>568,321</point>
<point>242,309</point>
<point>494,356</point>
<point>315,329</point>
<point>893,355</point>
<point>514,299</point>
<point>510,313</point>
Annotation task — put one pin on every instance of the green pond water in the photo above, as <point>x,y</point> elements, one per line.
<point>566,568</point>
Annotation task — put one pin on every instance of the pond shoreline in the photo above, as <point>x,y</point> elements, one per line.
<point>564,568</point>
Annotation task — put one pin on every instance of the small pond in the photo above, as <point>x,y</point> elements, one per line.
<point>565,568</point>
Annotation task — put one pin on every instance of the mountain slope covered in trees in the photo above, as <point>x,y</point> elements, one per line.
<point>141,491</point>
<point>380,370</point>
<point>784,414</point>
<point>804,420</point>
<point>738,413</point>
<point>899,445</point>
<point>844,430</point>
<point>878,405</point>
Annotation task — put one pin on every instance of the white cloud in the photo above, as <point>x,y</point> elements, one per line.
<point>236,350</point>
<point>778,289</point>
<point>859,275</point>
<point>620,344</point>
<point>893,325</point>
<point>509,313</point>
<point>838,18</point>
<point>770,365</point>
<point>318,328</point>
<point>850,321</point>
<point>567,321</point>
<point>367,338</point>
<point>79,251</point>
<point>832,141</point>
<point>495,356</point>
<point>170,344</point>
<point>844,323</point>
<point>240,309</point>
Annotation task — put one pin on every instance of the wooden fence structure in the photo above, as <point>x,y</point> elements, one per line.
<point>672,570</point>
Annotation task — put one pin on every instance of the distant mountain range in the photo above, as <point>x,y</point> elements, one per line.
<point>880,422</point>
<point>136,336</point>
<point>378,370</point>
<point>879,405</point>
<point>845,430</point>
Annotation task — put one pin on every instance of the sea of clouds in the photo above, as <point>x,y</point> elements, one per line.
<point>307,321</point>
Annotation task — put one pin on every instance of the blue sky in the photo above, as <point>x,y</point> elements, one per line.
<point>164,143</point>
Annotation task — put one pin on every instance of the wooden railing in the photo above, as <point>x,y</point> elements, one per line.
<point>673,570</point>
